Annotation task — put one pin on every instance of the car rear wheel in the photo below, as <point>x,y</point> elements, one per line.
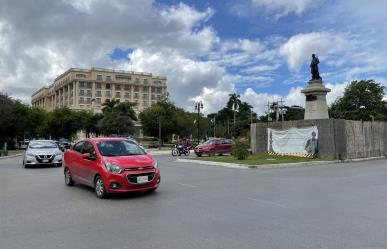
<point>199,154</point>
<point>68,180</point>
<point>99,188</point>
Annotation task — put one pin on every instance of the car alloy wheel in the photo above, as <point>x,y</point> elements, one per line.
<point>100,188</point>
<point>68,180</point>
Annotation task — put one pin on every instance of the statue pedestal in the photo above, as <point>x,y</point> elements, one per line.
<point>316,103</point>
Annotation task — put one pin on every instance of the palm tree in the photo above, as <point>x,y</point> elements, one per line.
<point>109,105</point>
<point>233,103</point>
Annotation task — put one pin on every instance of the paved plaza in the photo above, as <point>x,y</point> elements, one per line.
<point>198,206</point>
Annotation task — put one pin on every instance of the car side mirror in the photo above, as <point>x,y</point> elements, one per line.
<point>88,156</point>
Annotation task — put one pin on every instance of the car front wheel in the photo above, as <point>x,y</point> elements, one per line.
<point>99,188</point>
<point>68,180</point>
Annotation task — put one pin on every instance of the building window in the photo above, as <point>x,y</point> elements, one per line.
<point>136,88</point>
<point>157,82</point>
<point>127,95</point>
<point>89,85</point>
<point>81,100</point>
<point>88,100</point>
<point>118,87</point>
<point>127,88</point>
<point>118,95</point>
<point>107,86</point>
<point>145,89</point>
<point>98,101</point>
<point>123,77</point>
<point>98,85</point>
<point>81,84</point>
<point>158,97</point>
<point>136,95</point>
<point>107,94</point>
<point>137,81</point>
<point>145,96</point>
<point>79,75</point>
<point>145,81</point>
<point>98,93</point>
<point>81,92</point>
<point>88,93</point>
<point>99,77</point>
<point>108,78</point>
<point>153,96</point>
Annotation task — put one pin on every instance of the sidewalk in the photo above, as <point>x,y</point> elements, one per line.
<point>260,166</point>
<point>13,153</point>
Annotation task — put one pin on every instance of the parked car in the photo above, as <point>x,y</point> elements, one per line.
<point>111,165</point>
<point>42,152</point>
<point>214,146</point>
<point>24,144</point>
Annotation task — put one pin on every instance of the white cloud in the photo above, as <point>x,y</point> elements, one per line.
<point>259,101</point>
<point>187,78</point>
<point>40,42</point>
<point>283,7</point>
<point>299,48</point>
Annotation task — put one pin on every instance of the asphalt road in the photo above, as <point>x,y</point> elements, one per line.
<point>200,206</point>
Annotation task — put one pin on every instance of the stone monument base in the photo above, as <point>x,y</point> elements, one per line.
<point>316,103</point>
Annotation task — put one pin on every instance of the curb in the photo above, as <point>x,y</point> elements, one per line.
<point>262,166</point>
<point>15,155</point>
<point>157,152</point>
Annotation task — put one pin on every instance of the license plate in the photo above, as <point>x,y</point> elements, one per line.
<point>142,179</point>
<point>45,160</point>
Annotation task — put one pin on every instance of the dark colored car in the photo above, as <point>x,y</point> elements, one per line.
<point>64,143</point>
<point>214,146</point>
<point>111,165</point>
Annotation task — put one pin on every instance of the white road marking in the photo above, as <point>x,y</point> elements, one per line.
<point>187,185</point>
<point>267,202</point>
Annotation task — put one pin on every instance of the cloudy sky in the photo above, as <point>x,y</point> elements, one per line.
<point>258,48</point>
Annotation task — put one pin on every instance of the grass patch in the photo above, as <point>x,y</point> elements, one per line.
<point>260,159</point>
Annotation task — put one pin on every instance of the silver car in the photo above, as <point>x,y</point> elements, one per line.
<point>42,152</point>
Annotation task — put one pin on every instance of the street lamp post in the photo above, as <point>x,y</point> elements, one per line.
<point>198,107</point>
<point>214,125</point>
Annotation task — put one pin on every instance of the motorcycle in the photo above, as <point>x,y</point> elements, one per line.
<point>178,150</point>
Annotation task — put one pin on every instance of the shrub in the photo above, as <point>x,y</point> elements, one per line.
<point>241,150</point>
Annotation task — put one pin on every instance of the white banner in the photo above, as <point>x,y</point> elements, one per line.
<point>294,141</point>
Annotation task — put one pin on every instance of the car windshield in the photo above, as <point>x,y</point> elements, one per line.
<point>42,145</point>
<point>209,142</point>
<point>119,148</point>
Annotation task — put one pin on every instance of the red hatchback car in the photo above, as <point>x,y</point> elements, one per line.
<point>214,146</point>
<point>111,165</point>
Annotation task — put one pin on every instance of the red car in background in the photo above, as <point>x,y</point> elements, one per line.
<point>111,165</point>
<point>214,146</point>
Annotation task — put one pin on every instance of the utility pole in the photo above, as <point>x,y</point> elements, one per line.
<point>198,107</point>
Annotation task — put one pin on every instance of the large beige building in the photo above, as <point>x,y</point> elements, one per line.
<point>88,89</point>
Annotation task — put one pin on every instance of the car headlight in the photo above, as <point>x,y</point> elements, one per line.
<point>113,168</point>
<point>156,165</point>
<point>58,153</point>
<point>30,155</point>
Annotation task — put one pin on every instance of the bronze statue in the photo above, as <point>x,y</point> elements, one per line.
<point>314,68</point>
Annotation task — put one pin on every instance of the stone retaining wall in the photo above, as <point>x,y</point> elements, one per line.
<point>340,139</point>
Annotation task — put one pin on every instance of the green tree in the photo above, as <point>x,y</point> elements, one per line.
<point>362,100</point>
<point>234,103</point>
<point>7,119</point>
<point>117,118</point>
<point>64,122</point>
<point>294,113</point>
